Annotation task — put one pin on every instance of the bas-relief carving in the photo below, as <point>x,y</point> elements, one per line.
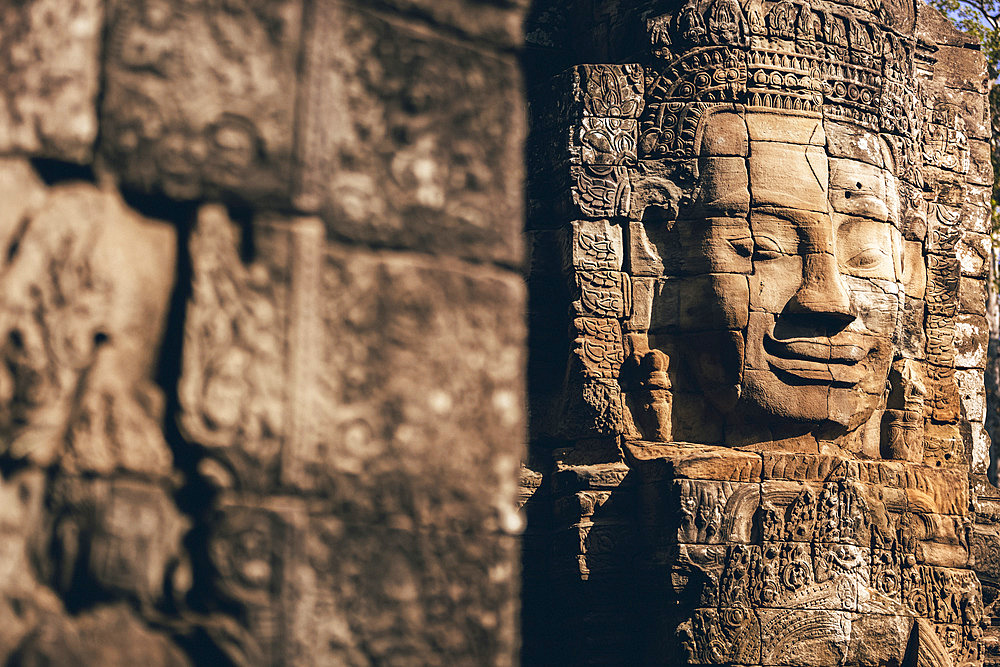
<point>348,414</point>
<point>50,57</point>
<point>88,478</point>
<point>792,244</point>
<point>291,353</point>
<point>199,99</point>
<point>239,382</point>
<point>79,344</point>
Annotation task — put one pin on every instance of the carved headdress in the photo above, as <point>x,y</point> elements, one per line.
<point>852,61</point>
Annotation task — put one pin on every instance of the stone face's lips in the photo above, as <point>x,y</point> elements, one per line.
<point>848,353</point>
<point>820,359</point>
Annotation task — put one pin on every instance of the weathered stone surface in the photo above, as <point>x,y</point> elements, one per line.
<point>294,440</point>
<point>124,534</point>
<point>970,346</point>
<point>973,255</point>
<point>50,57</point>
<point>85,289</point>
<point>316,588</point>
<point>457,378</point>
<point>200,101</point>
<point>973,394</point>
<point>802,395</point>
<point>314,420</point>
<point>96,637</point>
<point>396,147</point>
<point>980,448</point>
<point>494,21</point>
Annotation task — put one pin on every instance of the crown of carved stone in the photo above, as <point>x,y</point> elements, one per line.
<point>852,61</point>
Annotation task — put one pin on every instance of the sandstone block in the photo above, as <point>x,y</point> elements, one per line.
<point>366,331</point>
<point>50,50</point>
<point>409,140</point>
<point>200,102</point>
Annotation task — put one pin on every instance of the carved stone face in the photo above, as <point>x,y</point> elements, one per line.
<point>792,255</point>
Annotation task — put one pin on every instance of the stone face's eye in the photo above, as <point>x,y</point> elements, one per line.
<point>743,246</point>
<point>865,248</point>
<point>767,248</point>
<point>869,258</point>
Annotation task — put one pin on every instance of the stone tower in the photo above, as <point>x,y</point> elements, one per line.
<point>759,235</point>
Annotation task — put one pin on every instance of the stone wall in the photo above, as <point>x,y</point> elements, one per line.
<point>262,331</point>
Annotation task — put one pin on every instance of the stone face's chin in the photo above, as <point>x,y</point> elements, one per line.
<point>767,397</point>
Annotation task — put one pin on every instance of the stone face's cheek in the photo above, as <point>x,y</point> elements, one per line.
<point>704,245</point>
<point>714,301</point>
<point>878,304</point>
<point>767,397</point>
<point>716,358</point>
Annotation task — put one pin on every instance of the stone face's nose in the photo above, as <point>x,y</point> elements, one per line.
<point>822,291</point>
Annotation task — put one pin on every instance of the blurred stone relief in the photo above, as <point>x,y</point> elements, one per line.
<point>261,390</point>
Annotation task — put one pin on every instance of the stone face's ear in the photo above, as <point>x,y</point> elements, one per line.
<point>661,188</point>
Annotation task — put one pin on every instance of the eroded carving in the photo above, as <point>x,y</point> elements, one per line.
<point>88,478</point>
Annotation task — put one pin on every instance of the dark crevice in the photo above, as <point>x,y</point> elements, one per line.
<point>15,241</point>
<point>421,20</point>
<point>11,466</point>
<point>203,649</point>
<point>53,172</point>
<point>102,75</point>
<point>375,245</point>
<point>161,207</point>
<point>243,217</point>
<point>194,497</point>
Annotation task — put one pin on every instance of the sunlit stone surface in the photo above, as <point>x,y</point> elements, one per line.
<point>761,443</point>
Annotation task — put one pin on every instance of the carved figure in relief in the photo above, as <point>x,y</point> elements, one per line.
<point>755,23</point>
<point>787,374</point>
<point>80,322</point>
<point>776,265</point>
<point>85,285</point>
<point>782,293</point>
<point>691,22</point>
<point>726,23</point>
<point>905,413</point>
<point>801,287</point>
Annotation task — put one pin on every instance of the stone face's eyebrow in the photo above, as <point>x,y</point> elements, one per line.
<point>777,224</point>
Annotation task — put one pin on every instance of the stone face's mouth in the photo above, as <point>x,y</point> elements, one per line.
<point>821,359</point>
